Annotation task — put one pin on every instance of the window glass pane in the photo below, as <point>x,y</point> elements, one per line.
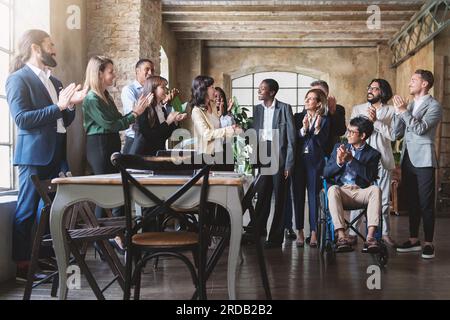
<point>244,82</point>
<point>5,22</point>
<point>305,81</point>
<point>4,122</point>
<point>288,96</point>
<point>301,96</point>
<point>5,164</point>
<point>4,71</point>
<point>284,79</point>
<point>244,96</point>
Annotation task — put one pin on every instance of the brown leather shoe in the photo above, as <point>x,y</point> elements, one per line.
<point>352,240</point>
<point>343,245</point>
<point>372,245</point>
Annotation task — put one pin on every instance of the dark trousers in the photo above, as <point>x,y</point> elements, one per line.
<point>307,176</point>
<point>28,201</point>
<point>289,208</point>
<point>269,185</point>
<point>420,186</point>
<point>128,144</point>
<point>99,148</point>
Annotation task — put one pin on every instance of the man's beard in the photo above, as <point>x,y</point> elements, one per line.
<point>48,60</point>
<point>373,99</point>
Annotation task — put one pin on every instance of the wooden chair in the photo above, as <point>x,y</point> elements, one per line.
<point>92,230</point>
<point>142,247</point>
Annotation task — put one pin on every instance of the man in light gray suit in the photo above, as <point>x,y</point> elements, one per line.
<point>417,124</point>
<point>275,129</point>
<point>379,92</point>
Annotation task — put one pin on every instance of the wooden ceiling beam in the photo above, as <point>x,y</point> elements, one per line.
<point>273,36</point>
<point>362,7</point>
<point>288,44</point>
<point>200,17</point>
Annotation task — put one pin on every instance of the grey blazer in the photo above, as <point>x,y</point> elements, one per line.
<point>419,132</point>
<point>383,135</point>
<point>283,120</point>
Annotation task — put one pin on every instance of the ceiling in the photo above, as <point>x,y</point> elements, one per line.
<point>286,23</point>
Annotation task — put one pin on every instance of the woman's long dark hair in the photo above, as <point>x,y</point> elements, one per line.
<point>150,86</point>
<point>29,38</point>
<point>200,90</point>
<point>225,103</point>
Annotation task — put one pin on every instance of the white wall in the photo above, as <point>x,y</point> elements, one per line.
<point>31,14</point>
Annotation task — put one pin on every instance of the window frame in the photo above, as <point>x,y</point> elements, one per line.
<point>11,141</point>
<point>295,108</point>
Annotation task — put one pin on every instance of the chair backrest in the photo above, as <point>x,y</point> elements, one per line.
<point>124,162</point>
<point>44,188</point>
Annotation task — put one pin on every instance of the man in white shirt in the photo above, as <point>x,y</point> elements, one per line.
<point>417,123</point>
<point>274,125</point>
<point>131,93</point>
<point>379,92</point>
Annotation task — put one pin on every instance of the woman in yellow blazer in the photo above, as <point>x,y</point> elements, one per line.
<point>209,136</point>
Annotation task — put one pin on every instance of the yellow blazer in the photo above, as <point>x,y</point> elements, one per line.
<point>205,133</point>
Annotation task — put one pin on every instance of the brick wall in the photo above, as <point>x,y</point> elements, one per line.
<point>119,29</point>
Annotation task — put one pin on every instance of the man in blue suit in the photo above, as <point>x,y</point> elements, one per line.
<point>354,167</point>
<point>42,110</point>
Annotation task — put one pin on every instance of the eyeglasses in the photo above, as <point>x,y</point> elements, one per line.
<point>373,89</point>
<point>352,132</point>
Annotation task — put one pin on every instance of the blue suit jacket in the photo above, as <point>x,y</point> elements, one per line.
<point>35,115</point>
<point>317,143</point>
<point>366,167</point>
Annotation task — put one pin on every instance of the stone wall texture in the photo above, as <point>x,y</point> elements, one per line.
<point>125,31</point>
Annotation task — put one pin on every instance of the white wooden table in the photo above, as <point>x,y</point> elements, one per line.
<point>106,191</point>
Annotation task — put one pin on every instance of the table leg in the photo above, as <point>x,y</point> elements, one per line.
<point>59,242</point>
<point>235,210</point>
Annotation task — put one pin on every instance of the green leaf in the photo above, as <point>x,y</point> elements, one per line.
<point>177,104</point>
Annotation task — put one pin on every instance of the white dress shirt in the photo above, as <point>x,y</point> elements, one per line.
<point>267,134</point>
<point>312,124</point>
<point>418,103</point>
<point>44,76</point>
<point>130,95</point>
<point>160,113</point>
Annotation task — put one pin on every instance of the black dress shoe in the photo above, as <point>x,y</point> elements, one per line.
<point>290,234</point>
<point>22,275</point>
<point>271,245</point>
<point>48,265</point>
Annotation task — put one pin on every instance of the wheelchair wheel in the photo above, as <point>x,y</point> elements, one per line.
<point>383,256</point>
<point>322,225</point>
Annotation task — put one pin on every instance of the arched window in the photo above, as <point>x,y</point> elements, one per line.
<point>6,126</point>
<point>164,65</point>
<point>293,88</point>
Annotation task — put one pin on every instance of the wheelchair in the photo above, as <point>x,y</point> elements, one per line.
<point>326,232</point>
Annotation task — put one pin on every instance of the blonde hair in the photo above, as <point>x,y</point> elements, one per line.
<point>96,65</point>
<point>322,98</point>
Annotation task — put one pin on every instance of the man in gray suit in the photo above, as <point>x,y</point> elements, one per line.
<point>417,124</point>
<point>274,125</point>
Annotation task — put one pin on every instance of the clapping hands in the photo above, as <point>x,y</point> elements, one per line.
<point>400,104</point>
<point>343,155</point>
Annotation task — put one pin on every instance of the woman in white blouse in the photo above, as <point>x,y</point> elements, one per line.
<point>208,133</point>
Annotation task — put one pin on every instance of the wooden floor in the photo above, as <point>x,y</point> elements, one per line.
<point>295,274</point>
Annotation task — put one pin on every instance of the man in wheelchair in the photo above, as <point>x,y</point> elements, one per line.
<point>354,167</point>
